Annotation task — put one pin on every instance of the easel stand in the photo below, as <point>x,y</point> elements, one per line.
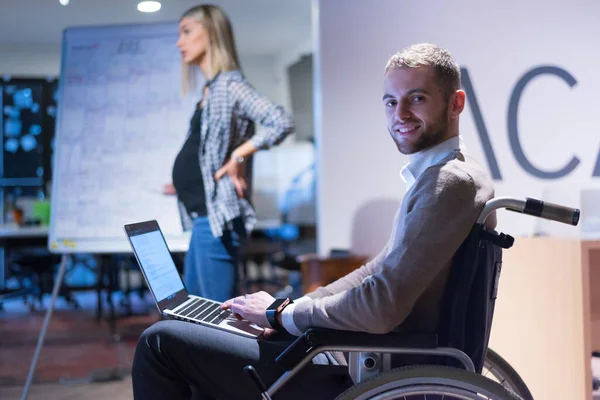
<point>57,283</point>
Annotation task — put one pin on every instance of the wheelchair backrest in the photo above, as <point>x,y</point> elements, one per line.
<point>470,294</point>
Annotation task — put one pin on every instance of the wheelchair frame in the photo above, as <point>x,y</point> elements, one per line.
<point>370,353</point>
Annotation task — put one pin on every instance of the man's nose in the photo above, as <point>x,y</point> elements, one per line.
<point>403,113</point>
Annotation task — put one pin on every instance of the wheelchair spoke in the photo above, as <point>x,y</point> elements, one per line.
<point>497,376</point>
<point>498,370</point>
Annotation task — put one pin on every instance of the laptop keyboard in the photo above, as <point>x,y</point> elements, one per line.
<point>205,311</point>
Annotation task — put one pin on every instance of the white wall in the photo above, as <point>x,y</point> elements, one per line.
<point>359,186</point>
<point>30,61</point>
<point>274,169</point>
<point>262,72</point>
<point>286,58</point>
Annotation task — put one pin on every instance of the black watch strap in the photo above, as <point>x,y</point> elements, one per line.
<point>274,310</point>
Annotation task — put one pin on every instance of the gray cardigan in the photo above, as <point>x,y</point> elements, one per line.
<point>402,287</point>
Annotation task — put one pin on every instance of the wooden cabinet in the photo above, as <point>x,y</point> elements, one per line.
<point>321,271</point>
<point>591,258</point>
<point>547,317</point>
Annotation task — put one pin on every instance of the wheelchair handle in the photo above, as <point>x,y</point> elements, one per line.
<point>554,212</point>
<point>533,207</point>
<point>251,372</point>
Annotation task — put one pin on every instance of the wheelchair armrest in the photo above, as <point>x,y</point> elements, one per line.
<point>320,337</point>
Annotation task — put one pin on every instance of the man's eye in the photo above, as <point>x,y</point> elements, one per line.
<point>390,103</point>
<point>417,99</point>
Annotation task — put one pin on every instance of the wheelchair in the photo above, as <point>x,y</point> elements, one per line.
<point>464,367</point>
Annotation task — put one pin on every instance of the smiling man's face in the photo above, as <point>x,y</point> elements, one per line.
<point>416,107</point>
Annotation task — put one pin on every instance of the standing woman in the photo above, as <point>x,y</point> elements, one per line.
<point>209,173</point>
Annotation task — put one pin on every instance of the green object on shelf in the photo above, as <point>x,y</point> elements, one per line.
<point>41,211</point>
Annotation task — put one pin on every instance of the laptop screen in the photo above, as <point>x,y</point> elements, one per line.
<point>157,264</point>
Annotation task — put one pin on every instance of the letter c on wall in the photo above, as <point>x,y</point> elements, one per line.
<point>513,133</point>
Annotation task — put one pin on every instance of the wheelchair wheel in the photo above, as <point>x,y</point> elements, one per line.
<point>427,382</point>
<point>496,368</point>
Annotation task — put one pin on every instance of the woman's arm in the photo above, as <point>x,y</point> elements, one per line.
<point>276,122</point>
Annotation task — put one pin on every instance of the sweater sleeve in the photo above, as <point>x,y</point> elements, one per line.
<point>356,277</point>
<point>351,280</point>
<point>442,209</point>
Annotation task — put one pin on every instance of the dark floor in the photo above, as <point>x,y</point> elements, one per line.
<point>114,390</point>
<point>77,347</point>
<point>82,357</point>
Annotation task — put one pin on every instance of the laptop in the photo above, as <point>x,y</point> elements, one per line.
<point>167,288</point>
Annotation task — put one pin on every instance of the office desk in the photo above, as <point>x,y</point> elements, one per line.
<point>13,231</point>
<point>14,236</point>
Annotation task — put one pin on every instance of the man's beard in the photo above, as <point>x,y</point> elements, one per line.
<point>433,135</point>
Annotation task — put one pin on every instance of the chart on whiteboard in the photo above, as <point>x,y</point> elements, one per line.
<point>122,120</point>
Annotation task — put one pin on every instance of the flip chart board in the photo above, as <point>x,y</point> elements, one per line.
<point>121,121</point>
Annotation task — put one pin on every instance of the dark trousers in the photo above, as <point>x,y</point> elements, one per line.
<point>181,360</point>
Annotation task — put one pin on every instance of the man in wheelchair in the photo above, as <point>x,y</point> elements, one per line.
<point>401,289</point>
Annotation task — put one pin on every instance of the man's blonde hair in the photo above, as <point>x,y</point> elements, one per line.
<point>221,52</point>
<point>446,68</point>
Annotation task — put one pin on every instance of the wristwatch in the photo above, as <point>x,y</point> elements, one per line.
<point>274,310</point>
<point>238,159</point>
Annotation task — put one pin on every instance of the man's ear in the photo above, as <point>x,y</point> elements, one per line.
<point>457,103</point>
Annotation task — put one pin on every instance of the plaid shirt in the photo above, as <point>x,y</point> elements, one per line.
<point>230,111</point>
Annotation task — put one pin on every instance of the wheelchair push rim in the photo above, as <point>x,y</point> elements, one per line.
<point>497,368</point>
<point>428,383</point>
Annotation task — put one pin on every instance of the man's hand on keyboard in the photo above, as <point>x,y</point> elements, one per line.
<point>251,307</point>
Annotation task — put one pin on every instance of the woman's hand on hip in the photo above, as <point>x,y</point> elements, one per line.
<point>236,172</point>
<point>169,189</point>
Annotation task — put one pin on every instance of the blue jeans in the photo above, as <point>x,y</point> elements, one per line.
<point>211,264</point>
